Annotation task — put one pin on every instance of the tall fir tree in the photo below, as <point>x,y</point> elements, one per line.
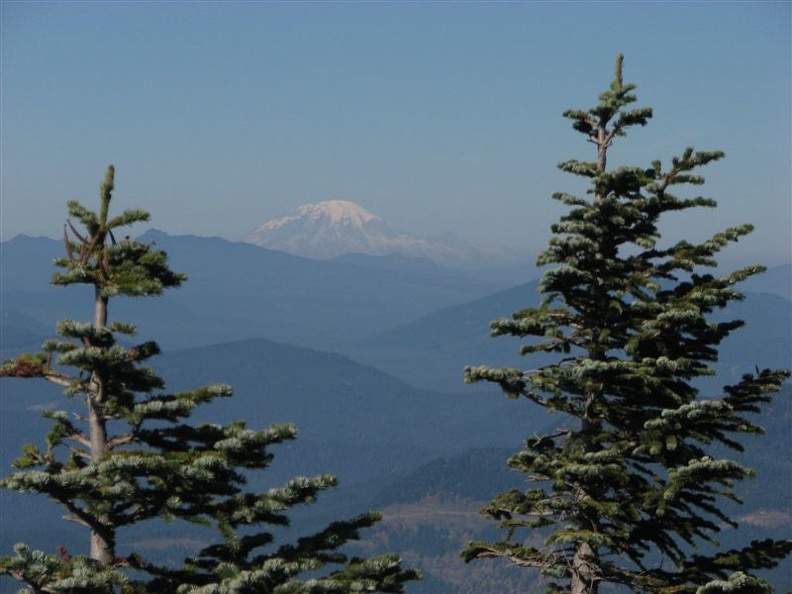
<point>133,455</point>
<point>628,493</point>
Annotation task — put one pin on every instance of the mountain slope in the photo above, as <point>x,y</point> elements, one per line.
<point>355,421</point>
<point>433,350</point>
<point>335,402</point>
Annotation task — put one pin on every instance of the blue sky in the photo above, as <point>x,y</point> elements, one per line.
<point>436,116</point>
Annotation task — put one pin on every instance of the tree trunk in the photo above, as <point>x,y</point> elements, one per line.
<point>602,150</point>
<point>102,541</point>
<point>102,548</point>
<point>97,393</point>
<point>584,574</point>
<point>584,579</point>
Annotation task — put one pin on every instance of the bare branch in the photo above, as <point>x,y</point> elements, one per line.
<point>60,379</point>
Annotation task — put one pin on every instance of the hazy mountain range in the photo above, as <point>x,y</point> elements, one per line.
<point>365,353</point>
<point>238,290</point>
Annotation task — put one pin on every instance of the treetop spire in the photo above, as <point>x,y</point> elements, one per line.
<point>617,77</point>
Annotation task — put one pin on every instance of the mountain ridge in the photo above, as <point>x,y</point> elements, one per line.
<point>239,290</point>
<point>433,350</point>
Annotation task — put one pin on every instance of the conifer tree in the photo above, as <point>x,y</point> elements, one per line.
<point>631,492</point>
<point>133,455</point>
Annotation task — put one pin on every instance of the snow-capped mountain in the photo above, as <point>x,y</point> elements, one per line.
<point>329,229</point>
<point>333,228</point>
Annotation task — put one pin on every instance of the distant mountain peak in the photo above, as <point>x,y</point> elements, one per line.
<point>330,229</point>
<point>331,212</point>
<point>333,228</point>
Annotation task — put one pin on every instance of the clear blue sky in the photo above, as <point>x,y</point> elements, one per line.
<point>436,116</point>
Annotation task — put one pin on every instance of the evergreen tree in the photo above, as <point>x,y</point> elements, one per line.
<point>133,456</point>
<point>630,494</point>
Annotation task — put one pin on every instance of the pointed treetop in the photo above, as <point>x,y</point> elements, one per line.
<point>105,192</point>
<point>93,256</point>
<point>617,78</point>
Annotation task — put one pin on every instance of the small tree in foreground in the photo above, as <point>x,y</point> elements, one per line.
<point>132,456</point>
<point>625,496</point>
